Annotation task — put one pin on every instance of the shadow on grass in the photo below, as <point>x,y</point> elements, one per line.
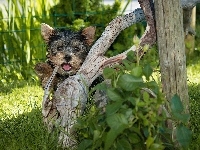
<point>27,131</point>
<point>8,87</point>
<point>194,59</point>
<point>194,93</point>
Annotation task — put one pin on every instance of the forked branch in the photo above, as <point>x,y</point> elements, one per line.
<point>71,96</point>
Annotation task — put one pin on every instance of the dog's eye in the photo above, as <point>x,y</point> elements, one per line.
<point>59,48</point>
<point>76,49</point>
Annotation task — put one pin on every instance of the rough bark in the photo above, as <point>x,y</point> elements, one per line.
<point>170,39</point>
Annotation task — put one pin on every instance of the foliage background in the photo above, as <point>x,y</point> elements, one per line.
<point>21,44</point>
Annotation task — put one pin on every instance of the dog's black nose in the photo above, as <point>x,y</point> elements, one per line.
<point>68,58</point>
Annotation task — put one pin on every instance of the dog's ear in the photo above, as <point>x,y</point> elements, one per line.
<point>88,34</point>
<point>46,32</point>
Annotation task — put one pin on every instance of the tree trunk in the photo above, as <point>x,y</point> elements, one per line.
<point>170,39</point>
<point>190,39</point>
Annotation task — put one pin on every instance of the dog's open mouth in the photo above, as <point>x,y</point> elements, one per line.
<point>66,66</point>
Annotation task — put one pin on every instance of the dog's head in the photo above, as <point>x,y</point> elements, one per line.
<point>67,49</point>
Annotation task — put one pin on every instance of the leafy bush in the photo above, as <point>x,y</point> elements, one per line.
<point>182,134</point>
<point>132,119</point>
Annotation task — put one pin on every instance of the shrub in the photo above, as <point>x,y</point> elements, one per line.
<point>132,119</point>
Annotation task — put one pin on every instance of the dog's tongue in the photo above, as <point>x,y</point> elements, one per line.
<point>66,66</point>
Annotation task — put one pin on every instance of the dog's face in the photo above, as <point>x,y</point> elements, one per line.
<point>67,49</point>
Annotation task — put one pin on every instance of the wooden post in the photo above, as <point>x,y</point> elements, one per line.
<point>190,39</point>
<point>170,39</point>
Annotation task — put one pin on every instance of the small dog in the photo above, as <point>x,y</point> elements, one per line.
<point>66,49</point>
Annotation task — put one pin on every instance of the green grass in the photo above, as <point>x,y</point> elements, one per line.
<point>193,72</point>
<point>194,93</point>
<point>19,101</point>
<point>21,125</point>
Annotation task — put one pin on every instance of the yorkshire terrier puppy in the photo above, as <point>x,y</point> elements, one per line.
<point>66,49</point>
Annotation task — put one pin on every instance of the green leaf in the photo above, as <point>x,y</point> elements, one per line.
<point>156,146</point>
<point>136,40</point>
<point>129,82</point>
<point>100,86</point>
<point>124,144</point>
<point>134,138</point>
<point>149,141</point>
<point>131,55</point>
<point>28,53</point>
<point>117,123</point>
<point>182,117</point>
<point>143,117</point>
<point>128,112</point>
<point>183,135</point>
<point>132,100</point>
<point>146,96</point>
<point>136,130</point>
<point>176,104</point>
<point>145,48</point>
<point>137,71</point>
<point>147,70</point>
<point>85,144</point>
<point>96,135</point>
<point>113,108</point>
<point>127,64</point>
<point>108,73</point>
<point>110,137</point>
<point>153,86</point>
<point>113,94</point>
<point>145,131</point>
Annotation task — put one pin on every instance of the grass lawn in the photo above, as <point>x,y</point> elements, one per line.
<point>21,125</point>
<point>193,71</point>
